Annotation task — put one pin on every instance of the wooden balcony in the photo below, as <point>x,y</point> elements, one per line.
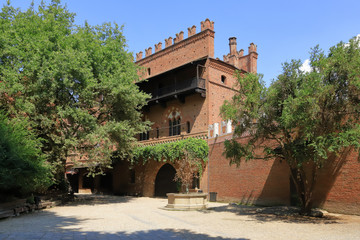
<point>178,89</point>
<point>162,140</point>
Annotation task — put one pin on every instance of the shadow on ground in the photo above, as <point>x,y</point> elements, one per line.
<point>160,234</point>
<point>279,213</point>
<point>92,199</point>
<point>48,225</point>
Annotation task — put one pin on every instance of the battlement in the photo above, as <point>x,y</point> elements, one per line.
<point>180,50</point>
<point>205,25</point>
<point>237,58</point>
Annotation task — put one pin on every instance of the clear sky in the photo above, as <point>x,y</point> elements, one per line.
<point>282,30</point>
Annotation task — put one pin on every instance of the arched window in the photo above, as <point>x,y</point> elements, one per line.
<point>144,136</point>
<point>174,127</point>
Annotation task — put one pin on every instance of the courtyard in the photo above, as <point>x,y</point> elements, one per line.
<point>114,217</point>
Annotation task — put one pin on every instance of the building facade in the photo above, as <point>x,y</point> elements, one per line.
<point>188,86</point>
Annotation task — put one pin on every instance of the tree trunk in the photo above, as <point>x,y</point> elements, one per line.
<point>305,209</point>
<point>304,193</point>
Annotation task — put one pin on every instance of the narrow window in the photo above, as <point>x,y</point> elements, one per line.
<point>188,127</point>
<point>174,127</point>
<point>223,79</point>
<point>149,71</point>
<point>178,127</point>
<point>157,133</point>
<point>170,128</point>
<point>144,136</point>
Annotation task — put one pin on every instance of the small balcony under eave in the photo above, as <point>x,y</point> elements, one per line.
<point>176,83</point>
<point>178,90</point>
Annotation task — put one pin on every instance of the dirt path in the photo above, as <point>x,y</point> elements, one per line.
<point>111,217</point>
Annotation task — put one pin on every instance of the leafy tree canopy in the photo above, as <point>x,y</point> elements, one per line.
<point>22,164</point>
<point>74,83</point>
<point>302,118</point>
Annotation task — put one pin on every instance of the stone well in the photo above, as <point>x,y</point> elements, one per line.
<point>187,201</point>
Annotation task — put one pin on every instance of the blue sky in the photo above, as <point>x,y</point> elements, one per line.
<point>282,30</point>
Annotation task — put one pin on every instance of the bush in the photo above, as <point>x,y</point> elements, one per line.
<point>22,164</point>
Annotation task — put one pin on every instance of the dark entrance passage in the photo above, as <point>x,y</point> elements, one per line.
<point>164,182</point>
<point>106,183</point>
<point>74,182</point>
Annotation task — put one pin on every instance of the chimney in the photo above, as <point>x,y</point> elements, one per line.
<point>232,44</point>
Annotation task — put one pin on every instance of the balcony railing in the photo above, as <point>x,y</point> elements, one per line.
<point>155,141</point>
<point>178,87</point>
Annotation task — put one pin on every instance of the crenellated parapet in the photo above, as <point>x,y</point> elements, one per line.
<point>179,37</point>
<point>237,58</point>
<point>139,56</point>
<point>148,52</point>
<point>168,42</point>
<point>158,47</point>
<point>205,25</point>
<point>191,31</point>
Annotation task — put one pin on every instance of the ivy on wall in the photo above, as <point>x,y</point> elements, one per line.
<point>195,149</point>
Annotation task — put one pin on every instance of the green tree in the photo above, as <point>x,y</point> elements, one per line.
<point>22,164</point>
<point>302,118</point>
<point>74,83</point>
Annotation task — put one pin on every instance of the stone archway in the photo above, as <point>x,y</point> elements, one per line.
<point>164,182</point>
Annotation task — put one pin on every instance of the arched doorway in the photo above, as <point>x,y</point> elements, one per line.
<point>164,182</point>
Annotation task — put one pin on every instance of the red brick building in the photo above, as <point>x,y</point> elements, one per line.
<point>188,86</point>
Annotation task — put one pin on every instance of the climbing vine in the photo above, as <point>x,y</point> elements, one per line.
<point>191,155</point>
<point>196,149</point>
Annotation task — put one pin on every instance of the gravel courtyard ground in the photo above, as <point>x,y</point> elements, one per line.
<point>112,217</point>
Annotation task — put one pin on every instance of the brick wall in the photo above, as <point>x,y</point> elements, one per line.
<point>219,91</point>
<point>338,186</point>
<point>253,182</point>
<point>194,110</point>
<point>268,182</point>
